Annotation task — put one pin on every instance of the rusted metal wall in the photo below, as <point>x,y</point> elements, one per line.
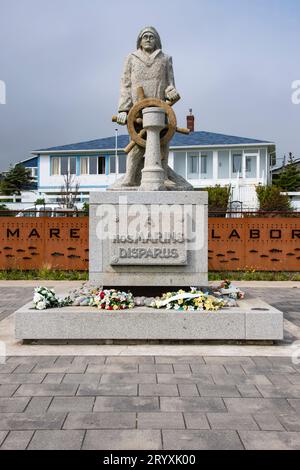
<point>33,243</point>
<point>264,244</point>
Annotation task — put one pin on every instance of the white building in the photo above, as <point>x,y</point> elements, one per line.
<point>202,158</point>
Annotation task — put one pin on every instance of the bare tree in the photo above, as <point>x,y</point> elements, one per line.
<point>68,192</point>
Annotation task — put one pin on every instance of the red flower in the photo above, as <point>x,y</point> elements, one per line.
<point>102,295</point>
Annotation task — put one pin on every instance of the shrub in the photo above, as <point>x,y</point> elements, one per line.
<point>218,198</point>
<point>271,200</point>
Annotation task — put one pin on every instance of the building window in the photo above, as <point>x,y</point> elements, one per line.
<point>206,165</point>
<point>93,165</point>
<point>193,165</point>
<point>263,163</point>
<point>72,165</point>
<point>180,163</point>
<point>64,166</point>
<point>112,165</point>
<point>101,165</point>
<point>122,164</point>
<point>237,164</point>
<point>223,164</point>
<point>251,163</point>
<point>84,166</point>
<point>55,164</point>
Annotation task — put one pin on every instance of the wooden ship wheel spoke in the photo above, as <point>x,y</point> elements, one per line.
<point>135,121</point>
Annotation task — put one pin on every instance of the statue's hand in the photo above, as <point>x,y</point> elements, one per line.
<point>171,93</point>
<point>122,118</point>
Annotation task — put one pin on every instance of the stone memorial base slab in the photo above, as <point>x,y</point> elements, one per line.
<point>252,319</point>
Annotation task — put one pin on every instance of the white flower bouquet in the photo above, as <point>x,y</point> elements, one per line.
<point>44,298</point>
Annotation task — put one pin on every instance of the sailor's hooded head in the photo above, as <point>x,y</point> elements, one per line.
<point>149,29</point>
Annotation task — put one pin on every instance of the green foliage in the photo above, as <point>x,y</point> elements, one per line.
<point>5,212</point>
<point>254,276</point>
<point>270,199</point>
<point>40,202</point>
<point>218,198</point>
<point>44,274</point>
<point>16,180</point>
<point>289,178</point>
<point>86,209</point>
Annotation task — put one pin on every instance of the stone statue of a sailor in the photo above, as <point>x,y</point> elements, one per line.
<point>148,67</point>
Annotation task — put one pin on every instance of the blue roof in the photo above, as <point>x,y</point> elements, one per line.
<point>179,140</point>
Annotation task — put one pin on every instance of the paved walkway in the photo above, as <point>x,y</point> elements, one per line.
<point>148,401</point>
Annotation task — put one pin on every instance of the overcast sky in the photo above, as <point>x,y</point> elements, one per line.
<point>61,61</point>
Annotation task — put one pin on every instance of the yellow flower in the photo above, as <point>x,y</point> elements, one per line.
<point>180,301</point>
<point>181,291</point>
<point>115,307</point>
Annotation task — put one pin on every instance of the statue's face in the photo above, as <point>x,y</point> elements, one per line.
<point>148,42</point>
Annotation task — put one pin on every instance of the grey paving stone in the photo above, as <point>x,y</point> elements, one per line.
<point>231,379</point>
<point>295,403</point>
<point>137,404</point>
<point>197,404</point>
<point>129,360</point>
<point>38,405</point>
<point>21,378</point>
<point>108,390</point>
<point>131,439</point>
<point>68,404</point>
<point>53,378</point>
<point>179,359</point>
<point>201,440</point>
<point>218,391</point>
<point>248,391</point>
<point>28,421</point>
<point>233,421</point>
<point>158,390</point>
<point>276,369</point>
<point>277,391</point>
<point>17,440</point>
<point>91,379</point>
<point>46,390</point>
<point>255,405</point>
<point>270,440</point>
<point>184,379</point>
<point>291,422</point>
<point>181,368</point>
<point>112,368</point>
<point>196,421</point>
<point>89,360</point>
<point>60,369</point>
<point>7,368</point>
<point>13,405</point>
<point>3,435</point>
<point>293,378</point>
<point>160,420</point>
<point>128,378</point>
<point>268,421</point>
<point>235,369</point>
<point>208,369</point>
<point>8,390</point>
<point>230,360</point>
<point>188,390</point>
<point>56,440</point>
<point>23,369</point>
<point>100,421</point>
<point>262,361</point>
<point>156,369</point>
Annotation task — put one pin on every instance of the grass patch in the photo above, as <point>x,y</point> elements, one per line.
<point>43,275</point>
<point>46,274</point>
<point>254,276</point>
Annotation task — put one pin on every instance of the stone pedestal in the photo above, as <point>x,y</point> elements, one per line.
<point>156,238</point>
<point>153,174</point>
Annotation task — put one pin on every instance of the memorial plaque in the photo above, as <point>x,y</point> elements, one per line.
<point>160,249</point>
